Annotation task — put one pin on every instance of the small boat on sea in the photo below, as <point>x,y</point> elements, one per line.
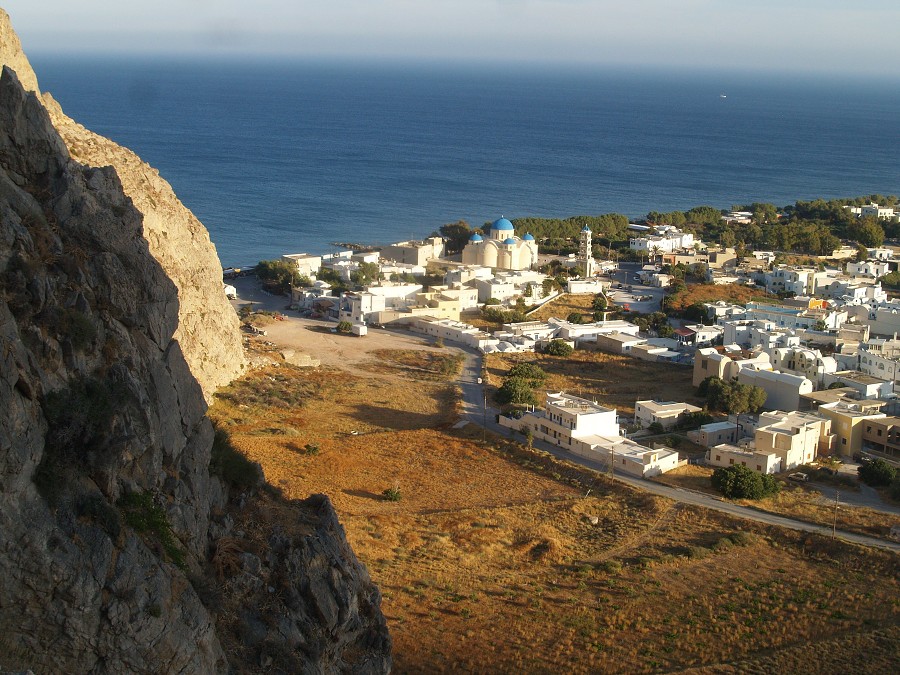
<point>722,96</point>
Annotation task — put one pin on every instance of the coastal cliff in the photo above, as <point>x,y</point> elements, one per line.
<point>131,540</point>
<point>207,327</point>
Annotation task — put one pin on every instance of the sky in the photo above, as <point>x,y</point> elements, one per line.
<point>847,37</point>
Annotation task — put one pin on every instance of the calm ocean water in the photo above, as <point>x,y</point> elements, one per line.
<point>279,157</point>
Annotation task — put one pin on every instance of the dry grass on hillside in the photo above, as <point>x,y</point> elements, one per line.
<point>613,380</point>
<point>737,293</point>
<point>564,305</point>
<point>417,364</point>
<point>794,501</point>
<point>499,559</point>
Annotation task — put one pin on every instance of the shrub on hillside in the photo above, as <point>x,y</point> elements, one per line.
<point>559,348</point>
<point>739,482</point>
<point>528,371</point>
<point>877,473</point>
<point>516,390</point>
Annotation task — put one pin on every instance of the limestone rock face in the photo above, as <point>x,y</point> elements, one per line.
<point>111,524</point>
<point>98,403</point>
<point>11,54</point>
<point>208,328</point>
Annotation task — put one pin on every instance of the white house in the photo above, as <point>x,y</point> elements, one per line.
<point>307,265</point>
<point>880,358</point>
<point>783,390</point>
<point>868,268</point>
<point>590,430</point>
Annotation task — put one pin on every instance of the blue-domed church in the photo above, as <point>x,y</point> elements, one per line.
<point>502,249</point>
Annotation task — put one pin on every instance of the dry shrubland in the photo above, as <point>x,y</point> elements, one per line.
<point>500,559</point>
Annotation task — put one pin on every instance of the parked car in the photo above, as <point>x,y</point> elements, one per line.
<point>799,476</point>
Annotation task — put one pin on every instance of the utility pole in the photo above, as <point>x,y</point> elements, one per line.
<point>837,496</point>
<point>483,413</point>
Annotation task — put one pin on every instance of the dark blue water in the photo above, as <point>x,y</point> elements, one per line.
<point>280,157</point>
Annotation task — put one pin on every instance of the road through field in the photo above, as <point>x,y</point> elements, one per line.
<point>477,411</point>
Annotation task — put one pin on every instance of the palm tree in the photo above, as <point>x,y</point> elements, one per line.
<point>657,253</point>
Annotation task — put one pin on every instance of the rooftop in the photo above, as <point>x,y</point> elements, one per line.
<point>576,405</point>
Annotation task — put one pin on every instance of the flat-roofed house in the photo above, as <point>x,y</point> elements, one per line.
<point>665,413</point>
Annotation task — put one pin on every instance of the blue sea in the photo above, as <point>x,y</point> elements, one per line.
<point>281,157</point>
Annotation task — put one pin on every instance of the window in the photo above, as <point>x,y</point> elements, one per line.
<point>758,467</point>
<point>718,458</point>
<point>843,441</point>
<point>731,461</point>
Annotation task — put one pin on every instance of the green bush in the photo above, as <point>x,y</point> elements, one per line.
<point>516,390</point>
<point>146,517</point>
<point>739,482</point>
<point>655,428</point>
<point>877,473</point>
<point>392,494</point>
<point>741,538</point>
<point>528,371</point>
<point>559,348</point>
<point>344,327</point>
<point>895,489</point>
<point>79,418</point>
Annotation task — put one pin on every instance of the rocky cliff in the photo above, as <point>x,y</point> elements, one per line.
<point>207,327</point>
<point>132,538</point>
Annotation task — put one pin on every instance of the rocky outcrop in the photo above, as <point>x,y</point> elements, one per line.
<point>208,328</point>
<point>99,406</point>
<point>112,526</point>
<point>12,55</point>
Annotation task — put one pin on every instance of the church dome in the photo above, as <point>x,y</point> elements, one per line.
<point>475,237</point>
<point>528,237</point>
<point>585,229</point>
<point>509,240</point>
<point>502,224</point>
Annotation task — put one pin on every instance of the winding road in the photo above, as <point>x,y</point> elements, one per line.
<point>476,410</point>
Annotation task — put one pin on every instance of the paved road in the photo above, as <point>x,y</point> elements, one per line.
<point>625,276</point>
<point>476,409</point>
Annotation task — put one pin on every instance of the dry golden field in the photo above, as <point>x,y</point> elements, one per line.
<point>564,305</point>
<point>794,501</point>
<point>497,559</point>
<point>613,380</point>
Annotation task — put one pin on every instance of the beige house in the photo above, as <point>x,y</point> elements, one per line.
<point>414,252</point>
<point>726,455</point>
<point>797,438</point>
<point>714,433</point>
<point>665,413</point>
<point>848,422</point>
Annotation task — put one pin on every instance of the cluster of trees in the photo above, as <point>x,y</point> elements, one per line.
<point>491,311</point>
<point>807,227</point>
<point>613,226</point>
<point>739,482</point>
<point>731,396</point>
<point>277,275</point>
<point>657,322</point>
<point>519,385</point>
